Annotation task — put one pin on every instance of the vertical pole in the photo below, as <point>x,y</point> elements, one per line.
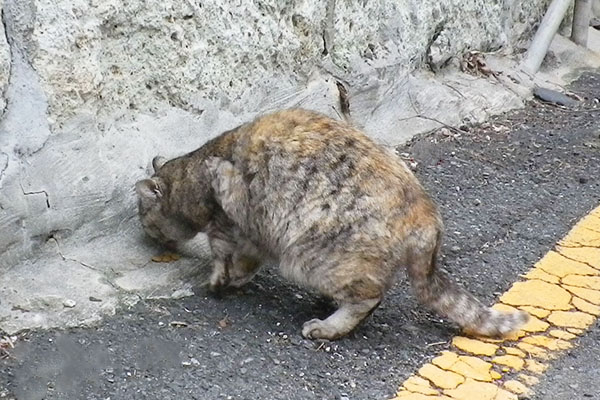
<point>581,22</point>
<point>543,37</point>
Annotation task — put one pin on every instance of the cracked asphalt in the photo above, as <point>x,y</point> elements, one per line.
<point>508,190</point>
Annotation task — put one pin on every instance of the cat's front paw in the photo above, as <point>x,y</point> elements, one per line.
<point>218,281</point>
<point>319,329</point>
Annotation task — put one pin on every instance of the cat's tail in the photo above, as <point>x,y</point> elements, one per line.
<point>435,289</point>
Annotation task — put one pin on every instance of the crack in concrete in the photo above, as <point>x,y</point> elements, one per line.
<point>419,115</point>
<point>10,65</point>
<point>84,264</point>
<point>37,192</point>
<point>4,168</point>
<point>65,258</point>
<point>328,30</point>
<point>343,98</point>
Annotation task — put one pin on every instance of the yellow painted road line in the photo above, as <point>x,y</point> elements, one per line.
<point>562,295</point>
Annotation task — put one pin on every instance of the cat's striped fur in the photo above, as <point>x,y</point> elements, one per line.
<point>339,213</point>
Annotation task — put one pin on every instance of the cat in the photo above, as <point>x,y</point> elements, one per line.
<point>339,213</point>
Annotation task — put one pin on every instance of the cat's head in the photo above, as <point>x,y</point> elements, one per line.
<point>160,222</point>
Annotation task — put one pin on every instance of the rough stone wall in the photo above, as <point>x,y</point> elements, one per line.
<point>92,89</point>
<point>111,55</point>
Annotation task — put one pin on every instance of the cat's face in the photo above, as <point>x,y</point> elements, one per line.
<point>158,221</point>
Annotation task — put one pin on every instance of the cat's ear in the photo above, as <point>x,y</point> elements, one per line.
<point>149,191</point>
<point>158,162</point>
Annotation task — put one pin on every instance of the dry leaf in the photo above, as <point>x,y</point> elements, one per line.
<point>166,257</point>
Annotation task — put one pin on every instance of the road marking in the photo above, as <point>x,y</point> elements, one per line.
<point>562,295</point>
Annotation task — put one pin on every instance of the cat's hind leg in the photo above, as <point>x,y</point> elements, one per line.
<point>341,322</point>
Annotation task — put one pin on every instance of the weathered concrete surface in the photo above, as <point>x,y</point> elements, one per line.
<point>97,88</point>
<point>4,67</point>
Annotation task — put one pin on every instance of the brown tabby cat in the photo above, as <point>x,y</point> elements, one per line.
<point>340,214</point>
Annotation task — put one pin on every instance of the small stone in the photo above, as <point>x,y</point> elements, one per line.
<point>68,303</point>
<point>181,293</point>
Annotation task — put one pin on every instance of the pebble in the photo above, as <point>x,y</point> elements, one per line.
<point>68,303</point>
<point>178,294</point>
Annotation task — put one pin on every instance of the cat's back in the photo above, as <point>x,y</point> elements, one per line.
<point>307,144</point>
<point>323,176</point>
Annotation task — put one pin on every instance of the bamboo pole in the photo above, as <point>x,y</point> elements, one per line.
<point>543,37</point>
<point>581,22</point>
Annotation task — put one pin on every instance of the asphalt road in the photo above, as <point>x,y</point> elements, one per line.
<point>508,190</point>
